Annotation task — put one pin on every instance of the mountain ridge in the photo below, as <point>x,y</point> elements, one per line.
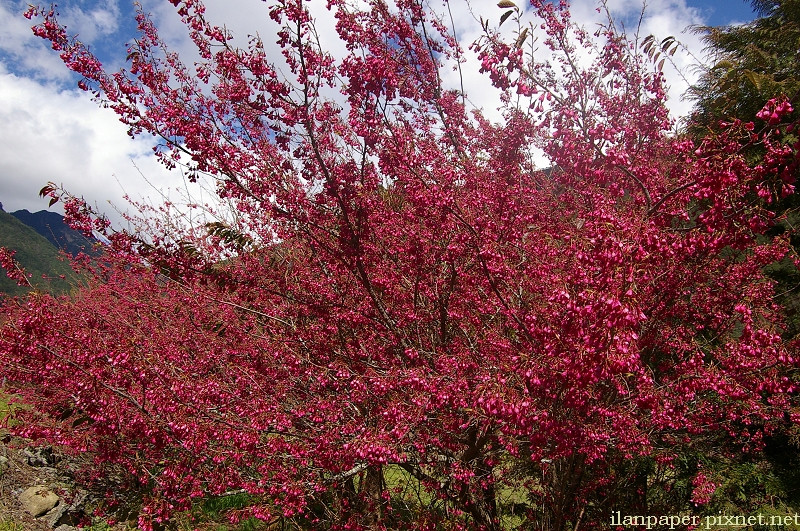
<point>41,259</point>
<point>51,226</point>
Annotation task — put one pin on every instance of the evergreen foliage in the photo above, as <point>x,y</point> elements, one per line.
<point>752,63</point>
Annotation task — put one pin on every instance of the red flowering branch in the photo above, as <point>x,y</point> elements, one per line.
<point>14,269</point>
<point>403,294</point>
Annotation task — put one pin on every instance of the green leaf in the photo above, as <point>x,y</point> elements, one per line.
<point>754,78</point>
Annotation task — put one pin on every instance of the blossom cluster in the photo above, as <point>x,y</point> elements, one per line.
<point>402,292</point>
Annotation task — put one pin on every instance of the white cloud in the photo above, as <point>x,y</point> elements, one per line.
<point>51,134</point>
<point>665,18</point>
<point>32,55</point>
<point>661,18</point>
<point>48,133</point>
<point>92,23</point>
<point>28,52</point>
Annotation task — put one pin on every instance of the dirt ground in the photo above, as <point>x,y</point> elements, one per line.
<point>22,466</point>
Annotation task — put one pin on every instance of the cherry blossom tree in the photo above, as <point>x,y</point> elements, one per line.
<point>407,324</point>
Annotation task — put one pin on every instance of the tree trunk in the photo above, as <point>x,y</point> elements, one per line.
<point>372,500</point>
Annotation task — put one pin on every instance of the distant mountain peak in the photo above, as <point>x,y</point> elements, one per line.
<point>51,225</point>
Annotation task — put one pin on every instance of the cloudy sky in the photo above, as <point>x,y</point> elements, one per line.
<point>51,131</point>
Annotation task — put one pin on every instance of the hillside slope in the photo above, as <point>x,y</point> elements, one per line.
<point>37,255</point>
<point>51,225</point>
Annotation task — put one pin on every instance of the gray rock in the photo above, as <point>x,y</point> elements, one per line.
<point>65,527</point>
<point>37,500</point>
<point>42,456</point>
<point>57,515</point>
<point>79,500</point>
<point>65,514</point>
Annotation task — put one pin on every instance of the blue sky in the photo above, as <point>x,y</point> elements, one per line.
<point>721,12</point>
<point>50,131</point>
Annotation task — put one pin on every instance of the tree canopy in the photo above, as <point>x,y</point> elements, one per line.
<point>752,63</point>
<point>410,325</point>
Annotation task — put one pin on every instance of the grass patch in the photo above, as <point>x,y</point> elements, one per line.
<point>218,506</point>
<point>403,485</point>
<point>5,413</point>
<point>211,514</point>
<point>9,525</point>
<point>7,409</point>
<point>409,497</point>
